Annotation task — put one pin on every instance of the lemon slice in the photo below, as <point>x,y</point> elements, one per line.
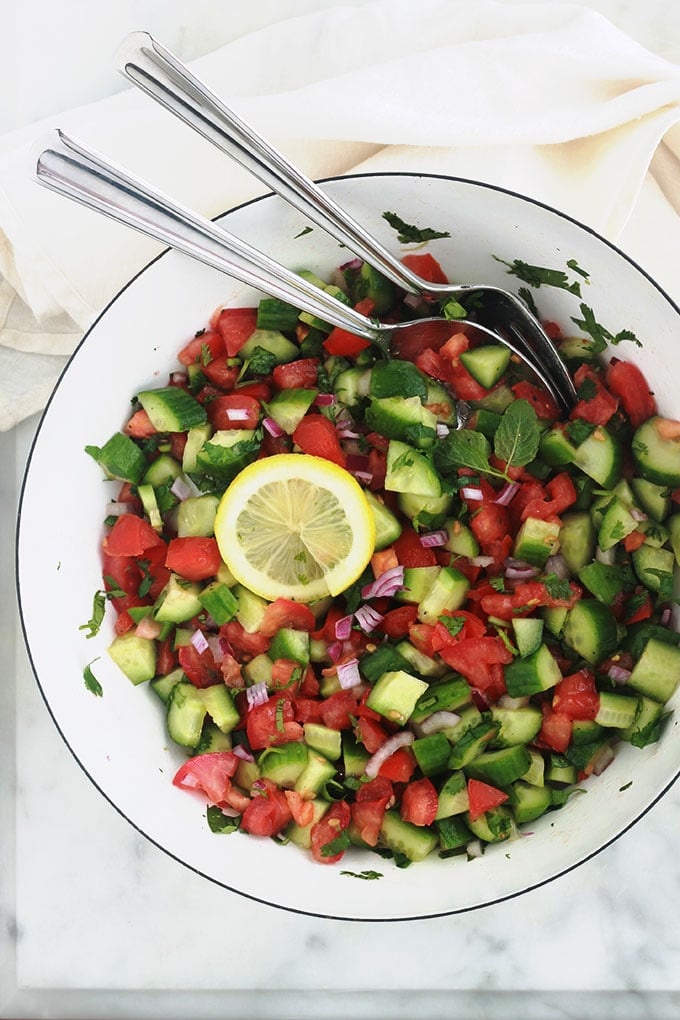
<point>295,526</point>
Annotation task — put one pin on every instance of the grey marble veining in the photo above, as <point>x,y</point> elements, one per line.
<point>97,922</point>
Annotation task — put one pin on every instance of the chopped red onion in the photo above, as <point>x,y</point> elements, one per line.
<point>386,585</point>
<point>117,509</point>
<point>414,301</point>
<point>215,645</point>
<point>386,750</point>
<point>638,515</point>
<point>343,627</point>
<point>442,430</point>
<point>183,488</point>
<point>354,263</point>
<point>243,753</point>
<point>324,399</point>
<point>472,492</point>
<point>199,641</point>
<point>505,701</point>
<point>432,539</point>
<point>557,565</point>
<point>348,674</point>
<point>364,476</point>
<point>229,812</point>
<point>474,849</point>
<point>178,378</point>
<point>507,493</point>
<point>237,414</point>
<point>348,433</point>
<point>438,721</point>
<point>257,695</point>
<point>148,628</point>
<point>618,674</point>
<point>334,650</point>
<point>368,618</point>
<point>481,561</point>
<point>602,758</point>
<point>606,556</point>
<point>665,618</point>
<point>273,427</point>
<point>520,570</point>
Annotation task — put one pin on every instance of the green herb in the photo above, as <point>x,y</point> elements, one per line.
<point>98,610</point>
<point>497,583</point>
<point>579,430</point>
<point>147,578</point>
<point>91,682</point>
<point>113,591</point>
<point>407,233</point>
<point>650,733</point>
<point>626,786</point>
<point>454,624</point>
<point>280,725</point>
<point>305,230</point>
<point>557,587</point>
<point>453,309</point>
<point>665,579</point>
<point>587,390</point>
<point>218,822</point>
<point>337,845</point>
<point>599,333</point>
<point>540,276</point>
<point>517,436</point>
<point>528,299</point>
<point>260,362</point>
<point>369,876</point>
<point>206,355</point>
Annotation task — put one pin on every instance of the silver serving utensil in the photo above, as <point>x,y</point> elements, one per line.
<point>72,169</point>
<point>160,74</point>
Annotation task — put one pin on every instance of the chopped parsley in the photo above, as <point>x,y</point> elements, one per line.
<point>98,610</point>
<point>368,875</point>
<point>91,682</point>
<point>454,624</point>
<point>408,233</point>
<point>599,333</point>
<point>337,845</point>
<point>557,587</point>
<point>541,276</point>
<point>218,822</point>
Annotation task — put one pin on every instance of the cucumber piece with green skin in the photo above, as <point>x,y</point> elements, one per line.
<point>600,456</point>
<point>415,842</point>
<point>162,470</point>
<point>354,756</point>
<point>291,644</point>
<point>440,402</point>
<point>535,774</point>
<point>422,510</point>
<point>258,670</point>
<point>516,725</point>
<point>352,385</point>
<point>654,499</point>
<point>212,739</point>
<point>453,796</point>
<point>370,283</point>
<point>554,619</point>
<point>528,634</point>
<point>196,439</point>
<point>251,608</point>
<point>617,522</point>
<point>577,539</point>
<point>656,451</point>
<point>674,535</point>
<point>289,406</point>
<point>591,630</point>
<point>388,527</point>
<point>410,471</point>
<point>646,721</point>
<point>274,342</point>
<point>656,674</point>
<point>404,418</point>
<point>536,540</point>
<point>555,447</point>
<point>326,741</point>
<point>461,540</point>
<point>417,583</point>
<point>537,672</point>
<point>196,516</point>
<point>432,753</point>
<point>120,458</point>
<point>500,767</point>
<point>469,717</point>
<point>496,401</point>
<point>285,764</point>
<point>453,832</point>
<point>395,694</point>
<point>386,657</point>
<point>484,421</point>
<point>605,581</point>
<point>529,802</point>
<point>226,453</point>
<point>178,601</point>
<point>472,743</point>
<point>219,705</point>
<point>150,506</point>
<point>494,826</point>
<point>172,409</point>
<point>162,685</point>
<point>560,772</point>
<point>219,602</point>
<point>585,731</point>
<point>419,662</point>
<point>616,711</point>
<point>275,314</point>
<point>446,695</point>
<point>135,656</point>
<point>447,593</point>
<point>487,364</point>
<point>654,567</point>
<point>186,714</point>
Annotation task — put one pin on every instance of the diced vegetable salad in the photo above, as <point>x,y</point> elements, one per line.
<point>513,625</point>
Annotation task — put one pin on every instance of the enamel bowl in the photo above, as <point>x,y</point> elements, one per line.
<point>119,739</point>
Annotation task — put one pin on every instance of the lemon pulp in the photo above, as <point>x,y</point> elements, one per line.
<point>295,526</point>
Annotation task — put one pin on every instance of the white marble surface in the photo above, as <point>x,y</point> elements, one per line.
<point>96,922</point>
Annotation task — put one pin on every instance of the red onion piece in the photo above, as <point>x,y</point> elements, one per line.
<point>178,378</point>
<point>474,849</point>
<point>183,488</point>
<point>354,263</point>
<point>638,515</point>
<point>665,618</point>
<point>368,618</point>
<point>386,750</point>
<point>432,539</point>
<point>507,493</point>
<point>237,414</point>
<point>148,628</point>
<point>348,674</point>
<point>442,430</point>
<point>324,399</point>
<point>385,585</point>
<point>257,695</point>
<point>273,427</point>
<point>343,627</point>
<point>438,721</point>
<point>116,509</point>
<point>334,650</point>
<point>472,492</point>
<point>520,570</point>
<point>364,476</point>
<point>481,561</point>
<point>243,753</point>
<point>557,565</point>
<point>215,646</point>
<point>602,758</point>
<point>618,674</point>
<point>199,641</point>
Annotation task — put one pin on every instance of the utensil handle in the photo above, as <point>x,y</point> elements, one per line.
<point>160,74</point>
<point>70,168</point>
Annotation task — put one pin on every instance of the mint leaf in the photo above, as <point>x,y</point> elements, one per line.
<point>463,448</point>
<point>218,822</point>
<point>517,436</point>
<point>98,610</point>
<point>91,682</point>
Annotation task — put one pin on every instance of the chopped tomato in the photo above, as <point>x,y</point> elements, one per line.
<point>327,830</point>
<point>301,810</point>
<point>242,640</point>
<point>316,435</point>
<point>338,709</point>
<point>474,657</point>
<point>166,657</point>
<point>202,348</point>
<point>372,800</point>
<point>221,372</point>
<point>233,411</point>
<point>286,674</point>
<point>426,267</point>
<point>130,536</point>
<point>410,550</point>
<point>490,524</point>
<point>576,696</point>
<point>272,724</point>
<point>399,767</point>
<point>371,734</point>
<point>555,731</point>
<point>235,326</point>
<point>629,386</point>
<point>139,426</point>
<point>286,613</point>
<point>419,802</point>
<point>541,401</point>
<point>307,709</point>
<point>596,404</point>
<point>193,557</point>
<point>559,494</point>
<point>268,812</point>
<point>209,774</point>
<point>300,374</point>
<point>200,667</point>
<point>634,540</point>
<point>527,596</point>
<point>483,797</point>
<point>341,342</point>
<point>397,622</point>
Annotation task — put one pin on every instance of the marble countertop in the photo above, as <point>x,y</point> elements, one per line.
<point>97,922</point>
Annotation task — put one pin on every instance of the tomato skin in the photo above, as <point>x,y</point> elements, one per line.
<point>371,802</point>
<point>209,774</point>
<point>483,797</point>
<point>576,696</point>
<point>268,812</point>
<point>221,373</point>
<point>419,802</point>
<point>341,342</point>
<point>233,411</point>
<point>200,667</point>
<point>130,536</point>
<point>371,734</point>
<point>396,622</point>
<point>410,550</point>
<point>139,426</point>
<point>300,374</point>
<point>193,557</point>
<point>559,494</point>
<point>268,725</point>
<point>555,731</point>
<point>166,657</point>
<point>235,326</point>
<point>426,266</point>
<point>599,407</point>
<point>242,640</point>
<point>336,711</point>
<point>541,401</point>
<point>627,383</point>
<point>490,524</point>
<point>474,657</point>
<point>327,829</point>
<point>203,347</point>
<point>286,613</point>
<point>399,767</point>
<point>316,436</point>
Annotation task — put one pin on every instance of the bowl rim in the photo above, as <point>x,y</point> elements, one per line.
<point>496,899</point>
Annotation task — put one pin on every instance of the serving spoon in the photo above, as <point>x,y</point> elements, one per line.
<point>161,75</point>
<point>72,169</point>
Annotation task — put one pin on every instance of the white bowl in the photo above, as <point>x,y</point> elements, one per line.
<point>119,739</point>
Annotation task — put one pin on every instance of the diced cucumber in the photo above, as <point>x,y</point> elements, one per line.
<point>494,826</point>
<point>453,797</point>
<point>656,451</point>
<point>162,470</point>
<point>536,540</point>
<point>447,593</point>
<point>453,833</point>
<point>404,418</point>
<point>472,743</point>
<point>417,583</point>
<point>656,674</point>
<point>655,568</point>
<point>585,731</point>
<point>529,802</point>
<point>178,601</point>
<point>419,662</point>
<point>196,516</point>
<point>186,713</point>
<point>275,314</point>
<point>408,470</point>
<point>591,630</point>
<point>446,695</point>
<point>291,644</point>
<point>487,364</point>
<point>501,767</point>
<point>285,764</point>
<point>326,741</point>
<point>424,511</point>
<point>162,685</point>
<point>258,670</point>
<point>150,505</point>
<point>385,658</point>
<point>646,722</point>
<point>352,385</point>
<point>616,711</point>
<point>654,499</point>
<point>289,406</point>
<point>600,456</point>
<point>413,841</point>
<point>219,705</point>
<point>432,753</point>
<point>212,739</point>
<point>605,581</point>
<point>226,453</point>
<point>370,283</point>
<point>577,539</point>
<point>528,634</point>
<point>301,835</point>
<point>273,341</point>
<point>135,656</point>
<point>516,725</point>
<point>251,608</point>
<point>617,522</point>
<point>387,525</point>
<point>461,540</point>
<point>196,438</point>
<point>555,447</point>
<point>219,602</point>
<point>395,694</point>
<point>533,674</point>
<point>354,756</point>
<point>172,409</point>
<point>535,774</point>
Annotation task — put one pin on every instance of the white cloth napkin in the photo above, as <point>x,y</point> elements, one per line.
<point>548,99</point>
